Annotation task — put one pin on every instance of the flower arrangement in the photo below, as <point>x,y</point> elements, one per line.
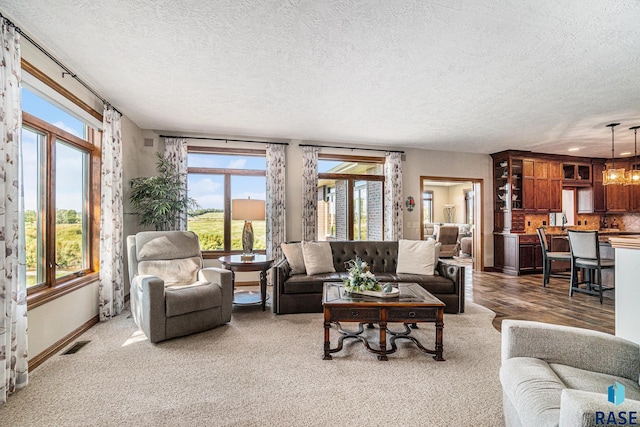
<point>360,277</point>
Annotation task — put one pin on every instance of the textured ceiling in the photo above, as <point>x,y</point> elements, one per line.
<point>474,76</point>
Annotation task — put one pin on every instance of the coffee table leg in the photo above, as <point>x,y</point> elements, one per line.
<point>383,341</point>
<point>439,329</point>
<point>327,342</point>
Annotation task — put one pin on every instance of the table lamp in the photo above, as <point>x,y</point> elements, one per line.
<point>247,210</point>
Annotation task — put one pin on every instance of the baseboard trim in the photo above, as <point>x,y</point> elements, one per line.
<point>61,343</point>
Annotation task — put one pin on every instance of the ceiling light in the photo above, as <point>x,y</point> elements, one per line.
<point>626,153</point>
<point>613,175</point>
<point>574,149</point>
<point>632,177</point>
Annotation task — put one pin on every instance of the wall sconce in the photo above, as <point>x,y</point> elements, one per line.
<point>410,203</point>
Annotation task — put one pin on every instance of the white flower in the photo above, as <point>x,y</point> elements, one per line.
<point>363,264</point>
<point>369,275</point>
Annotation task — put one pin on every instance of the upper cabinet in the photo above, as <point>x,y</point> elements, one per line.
<point>508,193</point>
<point>542,183</point>
<point>576,174</point>
<point>526,183</point>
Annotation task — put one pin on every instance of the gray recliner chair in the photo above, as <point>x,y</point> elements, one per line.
<point>171,294</point>
<point>448,236</point>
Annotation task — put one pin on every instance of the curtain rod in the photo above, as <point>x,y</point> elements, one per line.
<point>60,64</point>
<point>224,139</point>
<point>350,148</point>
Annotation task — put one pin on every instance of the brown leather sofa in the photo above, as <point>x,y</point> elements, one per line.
<point>300,293</point>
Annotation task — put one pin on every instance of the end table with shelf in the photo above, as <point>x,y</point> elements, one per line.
<point>242,263</point>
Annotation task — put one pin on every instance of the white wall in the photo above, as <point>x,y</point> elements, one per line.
<point>454,165</point>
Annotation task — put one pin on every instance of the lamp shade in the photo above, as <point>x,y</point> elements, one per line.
<point>248,209</point>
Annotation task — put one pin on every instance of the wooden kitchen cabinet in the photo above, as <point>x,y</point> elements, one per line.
<point>617,196</point>
<point>542,182</point>
<point>634,194</point>
<point>555,186</point>
<point>528,185</point>
<point>599,200</point>
<point>530,254</point>
<point>517,254</point>
<point>576,174</point>
<point>508,193</point>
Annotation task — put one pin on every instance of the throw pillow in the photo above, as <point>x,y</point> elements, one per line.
<point>293,253</point>
<point>317,258</point>
<point>416,257</point>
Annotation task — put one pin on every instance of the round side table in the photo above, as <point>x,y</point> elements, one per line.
<point>259,263</point>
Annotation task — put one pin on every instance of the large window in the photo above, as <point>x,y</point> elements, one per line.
<point>60,169</point>
<point>215,177</point>
<point>350,198</point>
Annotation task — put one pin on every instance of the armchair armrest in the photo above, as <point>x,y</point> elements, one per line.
<point>580,408</point>
<point>581,348</point>
<point>455,273</point>
<point>147,303</point>
<point>222,278</point>
<point>219,276</point>
<point>278,274</point>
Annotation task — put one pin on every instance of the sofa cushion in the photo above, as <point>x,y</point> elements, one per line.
<point>416,257</point>
<point>533,389</point>
<point>317,257</point>
<point>596,382</point>
<point>195,297</point>
<point>295,258</point>
<point>300,284</point>
<point>433,284</point>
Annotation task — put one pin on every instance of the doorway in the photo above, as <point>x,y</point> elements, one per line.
<point>446,200</point>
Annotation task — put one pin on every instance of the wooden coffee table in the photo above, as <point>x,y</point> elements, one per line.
<point>414,305</point>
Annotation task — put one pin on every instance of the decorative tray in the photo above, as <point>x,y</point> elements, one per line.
<point>378,294</point>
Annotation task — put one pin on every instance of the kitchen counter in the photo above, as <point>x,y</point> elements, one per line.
<point>627,290</point>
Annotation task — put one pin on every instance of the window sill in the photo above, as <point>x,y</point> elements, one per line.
<point>46,295</point>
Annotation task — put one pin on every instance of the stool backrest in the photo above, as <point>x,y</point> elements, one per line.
<point>584,244</point>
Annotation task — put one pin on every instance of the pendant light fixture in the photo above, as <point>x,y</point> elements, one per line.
<point>613,175</point>
<point>632,176</point>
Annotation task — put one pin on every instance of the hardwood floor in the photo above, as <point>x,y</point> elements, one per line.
<point>524,298</point>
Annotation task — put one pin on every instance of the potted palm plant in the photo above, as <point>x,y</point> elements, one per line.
<point>159,199</point>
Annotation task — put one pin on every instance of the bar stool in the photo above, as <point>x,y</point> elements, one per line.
<point>548,257</point>
<point>585,254</point>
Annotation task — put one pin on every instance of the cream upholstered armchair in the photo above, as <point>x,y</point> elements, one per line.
<point>171,294</point>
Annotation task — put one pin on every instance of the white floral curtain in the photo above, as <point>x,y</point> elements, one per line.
<point>393,197</point>
<point>309,192</point>
<point>13,284</point>
<point>275,199</point>
<point>175,150</point>
<point>111,288</point>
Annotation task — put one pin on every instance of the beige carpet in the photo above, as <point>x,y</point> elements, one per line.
<point>265,370</point>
